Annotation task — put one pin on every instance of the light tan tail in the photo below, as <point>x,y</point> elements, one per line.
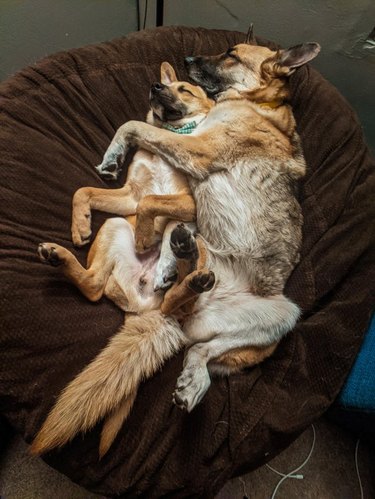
<point>114,422</point>
<point>136,352</point>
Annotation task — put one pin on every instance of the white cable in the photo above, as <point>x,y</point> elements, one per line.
<point>297,477</point>
<point>357,469</point>
<point>292,474</point>
<point>245,494</point>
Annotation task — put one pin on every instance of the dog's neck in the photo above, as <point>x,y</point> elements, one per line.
<point>271,96</point>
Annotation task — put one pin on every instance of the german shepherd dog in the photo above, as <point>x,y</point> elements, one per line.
<point>136,283</point>
<point>242,163</point>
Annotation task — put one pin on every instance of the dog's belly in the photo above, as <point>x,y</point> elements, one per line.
<point>132,279</point>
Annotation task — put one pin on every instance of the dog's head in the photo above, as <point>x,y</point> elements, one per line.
<point>247,66</point>
<point>177,102</point>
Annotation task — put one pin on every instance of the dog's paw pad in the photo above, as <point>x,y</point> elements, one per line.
<point>191,388</point>
<point>108,171</point>
<point>183,243</point>
<point>178,401</point>
<point>48,254</point>
<point>202,281</point>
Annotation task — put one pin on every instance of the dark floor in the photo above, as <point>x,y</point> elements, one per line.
<point>330,473</point>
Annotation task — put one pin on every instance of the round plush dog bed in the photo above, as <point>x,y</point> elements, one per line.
<point>57,118</point>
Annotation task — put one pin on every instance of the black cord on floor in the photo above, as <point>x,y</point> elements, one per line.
<point>145,14</point>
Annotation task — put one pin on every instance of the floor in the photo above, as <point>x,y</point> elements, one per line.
<point>329,473</point>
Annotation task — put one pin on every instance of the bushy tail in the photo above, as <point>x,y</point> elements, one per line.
<point>136,352</point>
<point>113,423</point>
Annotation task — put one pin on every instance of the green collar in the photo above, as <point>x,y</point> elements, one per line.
<point>185,129</point>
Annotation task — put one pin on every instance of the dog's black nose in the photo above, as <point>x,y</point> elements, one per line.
<point>157,87</point>
<point>189,60</point>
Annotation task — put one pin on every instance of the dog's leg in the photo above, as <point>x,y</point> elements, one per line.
<point>174,206</point>
<point>255,321</point>
<point>117,201</point>
<point>92,281</point>
<point>194,155</point>
<point>193,277</point>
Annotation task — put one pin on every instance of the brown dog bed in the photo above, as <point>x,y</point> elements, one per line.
<point>57,118</point>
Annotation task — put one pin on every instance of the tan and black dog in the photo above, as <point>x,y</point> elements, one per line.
<point>136,283</point>
<point>242,163</point>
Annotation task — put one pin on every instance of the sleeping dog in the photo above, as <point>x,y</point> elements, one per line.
<point>136,283</point>
<point>242,163</point>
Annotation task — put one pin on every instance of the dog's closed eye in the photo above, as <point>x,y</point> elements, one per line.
<point>232,54</point>
<point>183,89</point>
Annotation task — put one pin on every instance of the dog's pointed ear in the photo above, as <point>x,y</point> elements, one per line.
<point>250,38</point>
<point>167,73</point>
<point>298,55</point>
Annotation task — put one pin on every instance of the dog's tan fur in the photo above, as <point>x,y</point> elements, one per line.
<point>247,152</point>
<point>249,137</point>
<point>146,176</point>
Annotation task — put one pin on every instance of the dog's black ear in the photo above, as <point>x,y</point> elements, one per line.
<point>250,38</point>
<point>299,55</point>
<point>167,73</point>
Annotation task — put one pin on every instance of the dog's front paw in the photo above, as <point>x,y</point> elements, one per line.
<point>183,243</point>
<point>191,387</point>
<point>144,242</point>
<point>202,281</point>
<point>112,162</point>
<point>108,171</point>
<point>145,236</point>
<point>81,229</point>
<point>48,253</point>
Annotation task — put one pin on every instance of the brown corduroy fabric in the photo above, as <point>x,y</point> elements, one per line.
<point>57,118</point>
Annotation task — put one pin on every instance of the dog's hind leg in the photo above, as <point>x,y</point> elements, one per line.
<point>250,321</point>
<point>193,277</point>
<point>101,259</point>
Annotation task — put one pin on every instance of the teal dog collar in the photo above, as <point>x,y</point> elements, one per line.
<point>185,130</point>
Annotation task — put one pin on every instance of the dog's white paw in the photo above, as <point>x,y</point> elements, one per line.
<point>112,162</point>
<point>191,387</point>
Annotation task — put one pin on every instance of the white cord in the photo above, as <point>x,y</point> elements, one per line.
<point>245,494</point>
<point>292,474</point>
<point>357,468</point>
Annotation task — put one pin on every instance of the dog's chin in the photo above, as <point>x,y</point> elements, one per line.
<point>165,115</point>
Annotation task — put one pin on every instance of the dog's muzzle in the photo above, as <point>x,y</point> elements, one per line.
<point>190,60</point>
<point>203,72</point>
